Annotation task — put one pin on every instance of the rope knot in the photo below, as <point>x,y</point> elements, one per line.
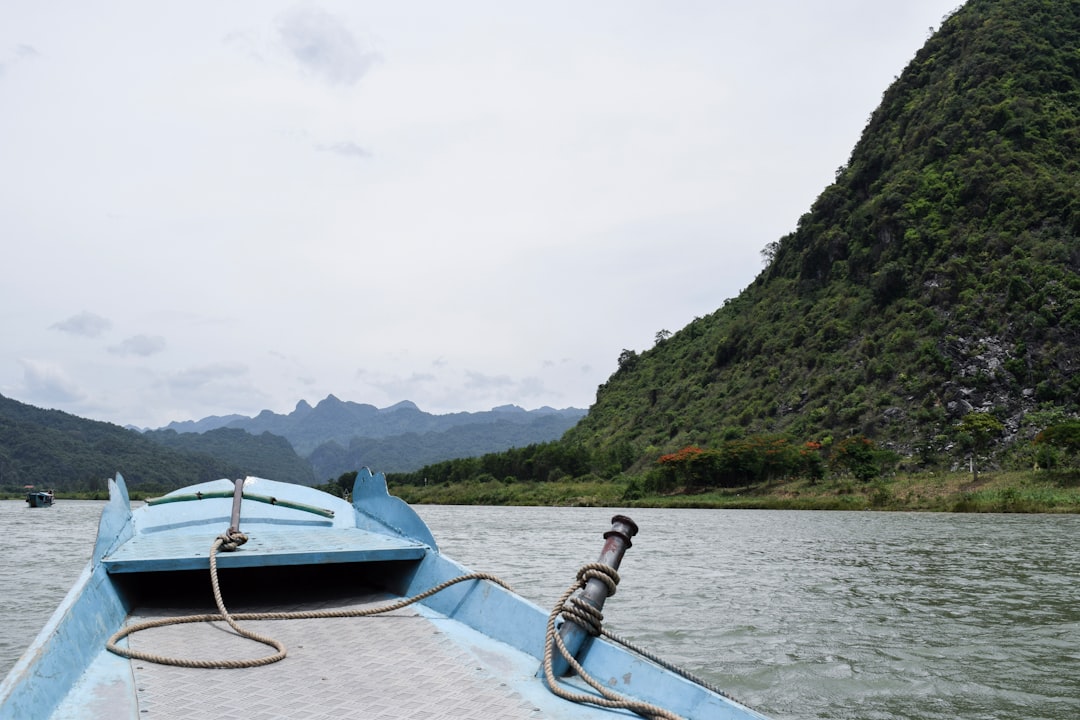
<point>576,609</point>
<point>598,571</point>
<point>585,615</point>
<point>231,539</point>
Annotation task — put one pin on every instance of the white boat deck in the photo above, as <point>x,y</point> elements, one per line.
<point>411,663</point>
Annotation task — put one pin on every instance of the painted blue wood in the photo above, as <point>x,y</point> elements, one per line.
<point>482,605</point>
<point>72,637</point>
<point>521,624</point>
<point>115,526</point>
<point>268,544</point>
<point>379,511</point>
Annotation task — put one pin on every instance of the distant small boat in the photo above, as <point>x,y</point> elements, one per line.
<point>39,498</point>
<point>364,615</point>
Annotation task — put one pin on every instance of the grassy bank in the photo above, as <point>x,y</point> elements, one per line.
<point>83,495</point>
<point>1028,492</point>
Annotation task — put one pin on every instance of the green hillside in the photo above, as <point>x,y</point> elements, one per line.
<point>263,455</point>
<point>53,449</point>
<point>935,278</point>
<point>921,323</point>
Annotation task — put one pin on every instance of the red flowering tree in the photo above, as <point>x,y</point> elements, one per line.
<point>683,467</point>
<point>741,462</point>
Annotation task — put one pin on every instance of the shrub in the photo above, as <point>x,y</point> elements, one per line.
<point>855,454</point>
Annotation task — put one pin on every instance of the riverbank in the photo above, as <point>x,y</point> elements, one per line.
<point>1016,492</point>
<point>1026,492</point>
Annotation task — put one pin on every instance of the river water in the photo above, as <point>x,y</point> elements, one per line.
<point>802,615</point>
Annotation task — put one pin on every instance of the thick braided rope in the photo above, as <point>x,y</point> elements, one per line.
<point>223,614</point>
<point>589,618</point>
<point>608,698</point>
<point>669,666</point>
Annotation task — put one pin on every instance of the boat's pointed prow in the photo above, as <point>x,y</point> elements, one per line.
<point>118,487</point>
<point>115,524</point>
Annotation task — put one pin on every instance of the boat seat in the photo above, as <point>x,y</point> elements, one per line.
<point>267,546</point>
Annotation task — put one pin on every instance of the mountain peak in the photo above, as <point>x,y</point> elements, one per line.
<point>403,405</point>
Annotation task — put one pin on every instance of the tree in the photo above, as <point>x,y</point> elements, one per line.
<point>977,431</point>
<point>1064,436</point>
<point>768,253</point>
<point>342,487</point>
<point>856,455</point>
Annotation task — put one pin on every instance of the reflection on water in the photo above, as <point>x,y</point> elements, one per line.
<point>804,615</point>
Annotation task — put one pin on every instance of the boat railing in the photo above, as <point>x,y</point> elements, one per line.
<point>268,499</point>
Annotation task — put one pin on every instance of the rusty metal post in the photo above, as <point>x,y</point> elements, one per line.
<point>617,542</point>
<point>238,496</point>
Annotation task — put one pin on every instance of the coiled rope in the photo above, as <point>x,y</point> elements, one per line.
<point>574,609</point>
<point>231,540</point>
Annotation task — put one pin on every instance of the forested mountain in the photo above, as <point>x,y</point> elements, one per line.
<point>264,455</point>
<point>936,277</point>
<point>52,449</point>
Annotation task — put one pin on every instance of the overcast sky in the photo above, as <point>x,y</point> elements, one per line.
<point>222,207</point>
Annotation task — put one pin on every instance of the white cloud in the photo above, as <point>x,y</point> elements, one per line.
<point>22,53</point>
<point>480,381</point>
<point>47,383</point>
<point>205,375</point>
<point>323,45</point>
<point>345,149</point>
<point>86,324</point>
<point>142,345</point>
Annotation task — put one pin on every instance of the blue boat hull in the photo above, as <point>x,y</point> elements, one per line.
<point>155,556</point>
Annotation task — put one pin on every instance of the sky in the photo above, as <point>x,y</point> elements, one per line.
<point>210,208</point>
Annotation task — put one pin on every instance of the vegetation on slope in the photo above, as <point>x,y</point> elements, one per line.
<point>938,276</point>
<point>924,315</point>
<point>263,455</point>
<point>52,449</point>
<point>1054,492</point>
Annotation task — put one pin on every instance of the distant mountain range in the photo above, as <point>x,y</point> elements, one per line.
<point>337,436</point>
<point>311,445</point>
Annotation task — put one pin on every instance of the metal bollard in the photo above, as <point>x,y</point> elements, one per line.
<point>595,591</point>
<point>238,496</point>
